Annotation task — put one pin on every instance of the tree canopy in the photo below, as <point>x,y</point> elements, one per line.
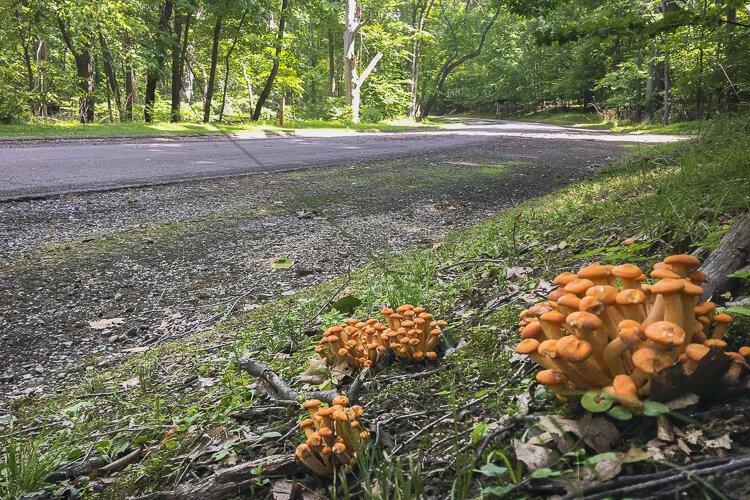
<point>233,60</point>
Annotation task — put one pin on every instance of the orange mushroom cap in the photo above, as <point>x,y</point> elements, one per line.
<point>666,333</point>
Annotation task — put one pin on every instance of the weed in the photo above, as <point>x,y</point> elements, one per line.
<point>25,463</point>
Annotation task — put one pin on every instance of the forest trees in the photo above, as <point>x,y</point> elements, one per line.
<point>160,60</point>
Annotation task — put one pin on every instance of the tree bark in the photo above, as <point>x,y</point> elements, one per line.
<point>130,83</point>
<point>42,59</point>
<point>212,72</point>
<point>176,85</point>
<point>25,45</point>
<point>154,72</point>
<point>732,254</point>
<point>84,59</point>
<point>109,71</point>
<point>420,13</point>
<point>452,63</point>
<point>331,65</point>
<point>353,82</point>
<point>276,60</point>
<point>226,65</point>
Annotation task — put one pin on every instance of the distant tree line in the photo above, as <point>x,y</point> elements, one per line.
<point>233,60</point>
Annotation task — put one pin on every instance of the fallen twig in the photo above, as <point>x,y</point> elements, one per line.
<point>628,485</point>
<point>231,482</point>
<point>438,421</point>
<point>281,391</point>
<point>128,459</point>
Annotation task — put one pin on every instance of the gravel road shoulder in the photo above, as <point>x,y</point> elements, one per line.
<point>170,259</point>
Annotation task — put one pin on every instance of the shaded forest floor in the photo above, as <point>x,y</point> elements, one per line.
<point>452,423</point>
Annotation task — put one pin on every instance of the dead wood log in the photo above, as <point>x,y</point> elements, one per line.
<point>733,253</point>
<point>232,481</point>
<point>630,486</point>
<point>281,391</point>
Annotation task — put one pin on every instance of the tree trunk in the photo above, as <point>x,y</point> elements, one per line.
<point>226,65</point>
<point>450,64</point>
<point>420,12</point>
<point>42,59</point>
<point>331,65</point>
<point>212,73</point>
<point>730,53</point>
<point>176,86</point>
<point>84,70</point>
<point>352,80</point>
<point>184,54</point>
<point>155,71</point>
<point>130,84</point>
<point>276,60</point>
<point>249,84</point>
<point>109,71</point>
<point>25,46</point>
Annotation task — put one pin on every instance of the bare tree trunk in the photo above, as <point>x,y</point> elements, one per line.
<point>420,13</point>
<point>130,84</point>
<point>155,70</point>
<point>109,71</point>
<point>42,58</point>
<point>212,72</point>
<point>84,70</point>
<point>176,85</point>
<point>352,80</point>
<point>730,53</point>
<point>667,107</point>
<point>249,83</point>
<point>226,65</point>
<point>331,65</point>
<point>275,68</point>
<point>25,45</point>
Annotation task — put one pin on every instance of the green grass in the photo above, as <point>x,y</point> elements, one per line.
<point>594,121</point>
<point>673,198</point>
<point>76,129</point>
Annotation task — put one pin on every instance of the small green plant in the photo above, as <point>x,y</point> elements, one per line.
<point>146,373</point>
<point>25,463</point>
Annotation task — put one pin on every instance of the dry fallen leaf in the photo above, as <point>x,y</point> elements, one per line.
<point>103,324</point>
<point>131,382</point>
<point>664,430</point>
<point>315,374</point>
<point>722,442</point>
<point>533,456</point>
<point>597,432</point>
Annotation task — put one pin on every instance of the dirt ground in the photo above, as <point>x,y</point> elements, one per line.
<point>170,260</point>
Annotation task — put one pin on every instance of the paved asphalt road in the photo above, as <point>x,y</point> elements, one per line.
<point>30,169</point>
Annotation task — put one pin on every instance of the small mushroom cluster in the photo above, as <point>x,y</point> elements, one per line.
<point>359,344</point>
<point>606,329</point>
<point>413,333</point>
<point>334,434</point>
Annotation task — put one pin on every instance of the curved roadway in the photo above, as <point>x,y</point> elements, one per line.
<point>41,168</point>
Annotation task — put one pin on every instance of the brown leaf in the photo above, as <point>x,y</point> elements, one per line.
<point>284,489</point>
<point>103,324</point>
<point>664,429</point>
<point>597,432</point>
<point>723,442</point>
<point>533,456</point>
<point>314,375</point>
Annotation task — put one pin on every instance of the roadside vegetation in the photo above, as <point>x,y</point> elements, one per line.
<point>68,129</point>
<point>598,121</point>
<point>190,410</point>
<point>231,61</point>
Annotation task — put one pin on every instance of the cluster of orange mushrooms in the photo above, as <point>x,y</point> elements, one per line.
<point>607,329</point>
<point>411,332</point>
<point>334,434</point>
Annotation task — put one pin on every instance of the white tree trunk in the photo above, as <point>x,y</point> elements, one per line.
<point>352,80</point>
